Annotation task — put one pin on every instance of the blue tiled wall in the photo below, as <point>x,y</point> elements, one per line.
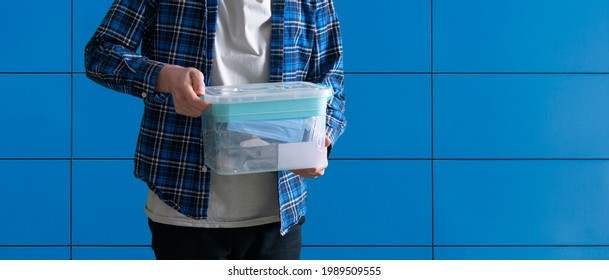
<point>477,130</point>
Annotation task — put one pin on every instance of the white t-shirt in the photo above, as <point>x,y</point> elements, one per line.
<point>242,48</point>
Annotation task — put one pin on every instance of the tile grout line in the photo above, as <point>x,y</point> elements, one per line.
<point>338,159</point>
<point>371,73</point>
<point>71,115</point>
<point>432,127</point>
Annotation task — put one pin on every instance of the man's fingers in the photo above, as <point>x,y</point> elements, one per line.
<point>199,104</point>
<point>189,104</point>
<point>198,82</point>
<point>188,85</point>
<point>197,90</point>
<point>310,172</point>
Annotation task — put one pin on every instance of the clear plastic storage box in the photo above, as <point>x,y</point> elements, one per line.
<point>265,127</point>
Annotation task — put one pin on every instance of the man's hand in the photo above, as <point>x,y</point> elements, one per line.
<point>185,86</point>
<point>313,172</point>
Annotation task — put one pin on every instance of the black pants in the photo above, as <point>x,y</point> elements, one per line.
<point>249,243</point>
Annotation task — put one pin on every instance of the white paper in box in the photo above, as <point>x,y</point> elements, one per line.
<point>297,155</point>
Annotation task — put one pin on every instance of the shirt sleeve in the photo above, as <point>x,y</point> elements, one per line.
<point>110,56</point>
<point>326,66</point>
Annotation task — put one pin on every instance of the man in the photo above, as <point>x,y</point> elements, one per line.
<point>185,45</point>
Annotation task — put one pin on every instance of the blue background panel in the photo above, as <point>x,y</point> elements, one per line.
<point>521,116</point>
<point>106,123</point>
<point>354,204</point>
<point>36,36</point>
<point>389,116</point>
<point>521,253</point>
<point>366,253</point>
<point>87,16</point>
<point>35,114</point>
<point>108,204</point>
<point>112,253</point>
<point>521,202</point>
<point>392,37</point>
<point>36,205</point>
<point>34,253</point>
<point>521,36</point>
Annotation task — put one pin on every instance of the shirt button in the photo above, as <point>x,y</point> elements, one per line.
<point>144,94</point>
<point>204,168</point>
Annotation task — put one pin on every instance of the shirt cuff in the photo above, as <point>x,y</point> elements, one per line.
<point>145,78</point>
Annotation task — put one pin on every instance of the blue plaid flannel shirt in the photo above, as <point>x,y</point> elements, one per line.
<point>305,46</point>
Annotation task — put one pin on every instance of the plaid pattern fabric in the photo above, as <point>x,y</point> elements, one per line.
<point>305,46</point>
